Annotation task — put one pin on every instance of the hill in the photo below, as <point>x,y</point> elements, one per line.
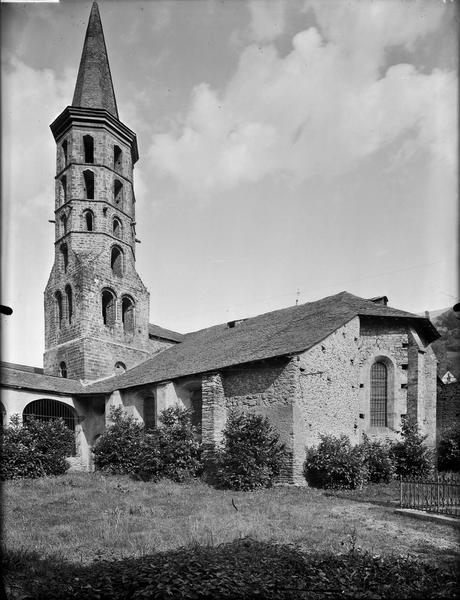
<point>447,348</point>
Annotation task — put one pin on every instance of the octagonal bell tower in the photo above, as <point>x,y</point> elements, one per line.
<point>96,306</point>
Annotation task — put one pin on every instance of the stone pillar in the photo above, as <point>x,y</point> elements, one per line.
<point>214,411</point>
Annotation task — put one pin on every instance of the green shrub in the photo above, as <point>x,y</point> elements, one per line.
<point>335,464</point>
<point>172,450</point>
<point>376,455</point>
<point>410,456</point>
<point>35,449</point>
<point>243,569</point>
<point>251,455</point>
<point>449,449</point>
<point>117,449</point>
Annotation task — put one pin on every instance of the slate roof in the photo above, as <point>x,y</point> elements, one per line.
<point>165,334</point>
<point>274,334</point>
<point>94,87</point>
<point>23,377</point>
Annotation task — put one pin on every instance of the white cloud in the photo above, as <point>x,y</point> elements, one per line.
<point>267,19</point>
<point>320,109</point>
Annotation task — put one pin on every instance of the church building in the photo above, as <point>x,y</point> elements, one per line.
<point>339,365</point>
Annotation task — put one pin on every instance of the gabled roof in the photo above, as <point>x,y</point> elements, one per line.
<point>274,334</point>
<point>156,331</point>
<point>94,87</point>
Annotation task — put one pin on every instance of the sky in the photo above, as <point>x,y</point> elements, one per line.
<point>289,150</point>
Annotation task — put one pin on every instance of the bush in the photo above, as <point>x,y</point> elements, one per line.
<point>449,449</point>
<point>35,449</point>
<point>376,455</point>
<point>410,456</point>
<point>335,464</point>
<point>170,451</point>
<point>117,450</point>
<point>251,455</point>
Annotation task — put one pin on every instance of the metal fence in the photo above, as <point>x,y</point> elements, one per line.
<point>440,494</point>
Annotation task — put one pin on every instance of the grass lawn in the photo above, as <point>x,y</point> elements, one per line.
<point>79,518</point>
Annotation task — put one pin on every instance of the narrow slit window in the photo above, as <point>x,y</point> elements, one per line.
<point>63,190</point>
<point>88,148</point>
<point>379,394</point>
<point>64,152</point>
<point>118,193</point>
<point>108,308</point>
<point>88,180</point>
<point>117,228</point>
<point>65,256</point>
<point>116,261</point>
<point>63,370</point>
<point>89,220</point>
<point>64,224</point>
<point>117,158</point>
<point>59,313</point>
<point>68,293</point>
<point>127,315</point>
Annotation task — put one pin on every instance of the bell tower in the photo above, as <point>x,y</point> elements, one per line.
<point>96,306</point>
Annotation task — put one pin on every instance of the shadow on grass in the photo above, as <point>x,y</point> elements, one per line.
<point>241,569</point>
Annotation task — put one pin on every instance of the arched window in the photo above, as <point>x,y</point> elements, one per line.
<point>88,147</point>
<point>118,193</point>
<point>117,158</point>
<point>63,224</point>
<point>65,256</point>
<point>63,190</point>
<point>116,261</point>
<point>150,420</point>
<point>379,395</point>
<point>117,227</point>
<point>89,220</point>
<point>120,367</point>
<point>63,370</point>
<point>88,180</point>
<point>59,313</point>
<point>68,294</point>
<point>108,308</point>
<point>64,152</point>
<point>127,314</point>
<point>46,409</point>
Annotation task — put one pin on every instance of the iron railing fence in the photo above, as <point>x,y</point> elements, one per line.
<point>441,494</point>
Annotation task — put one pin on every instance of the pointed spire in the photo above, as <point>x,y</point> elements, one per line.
<point>94,87</point>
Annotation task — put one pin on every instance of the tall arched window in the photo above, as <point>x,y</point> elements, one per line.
<point>118,193</point>
<point>69,302</point>
<point>59,313</point>
<point>116,261</point>
<point>108,308</point>
<point>117,227</point>
<point>88,180</point>
<point>64,256</point>
<point>117,158</point>
<point>88,147</point>
<point>127,314</point>
<point>89,220</point>
<point>63,370</point>
<point>63,190</point>
<point>379,395</point>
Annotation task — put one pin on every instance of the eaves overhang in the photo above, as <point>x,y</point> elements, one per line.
<point>94,117</point>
